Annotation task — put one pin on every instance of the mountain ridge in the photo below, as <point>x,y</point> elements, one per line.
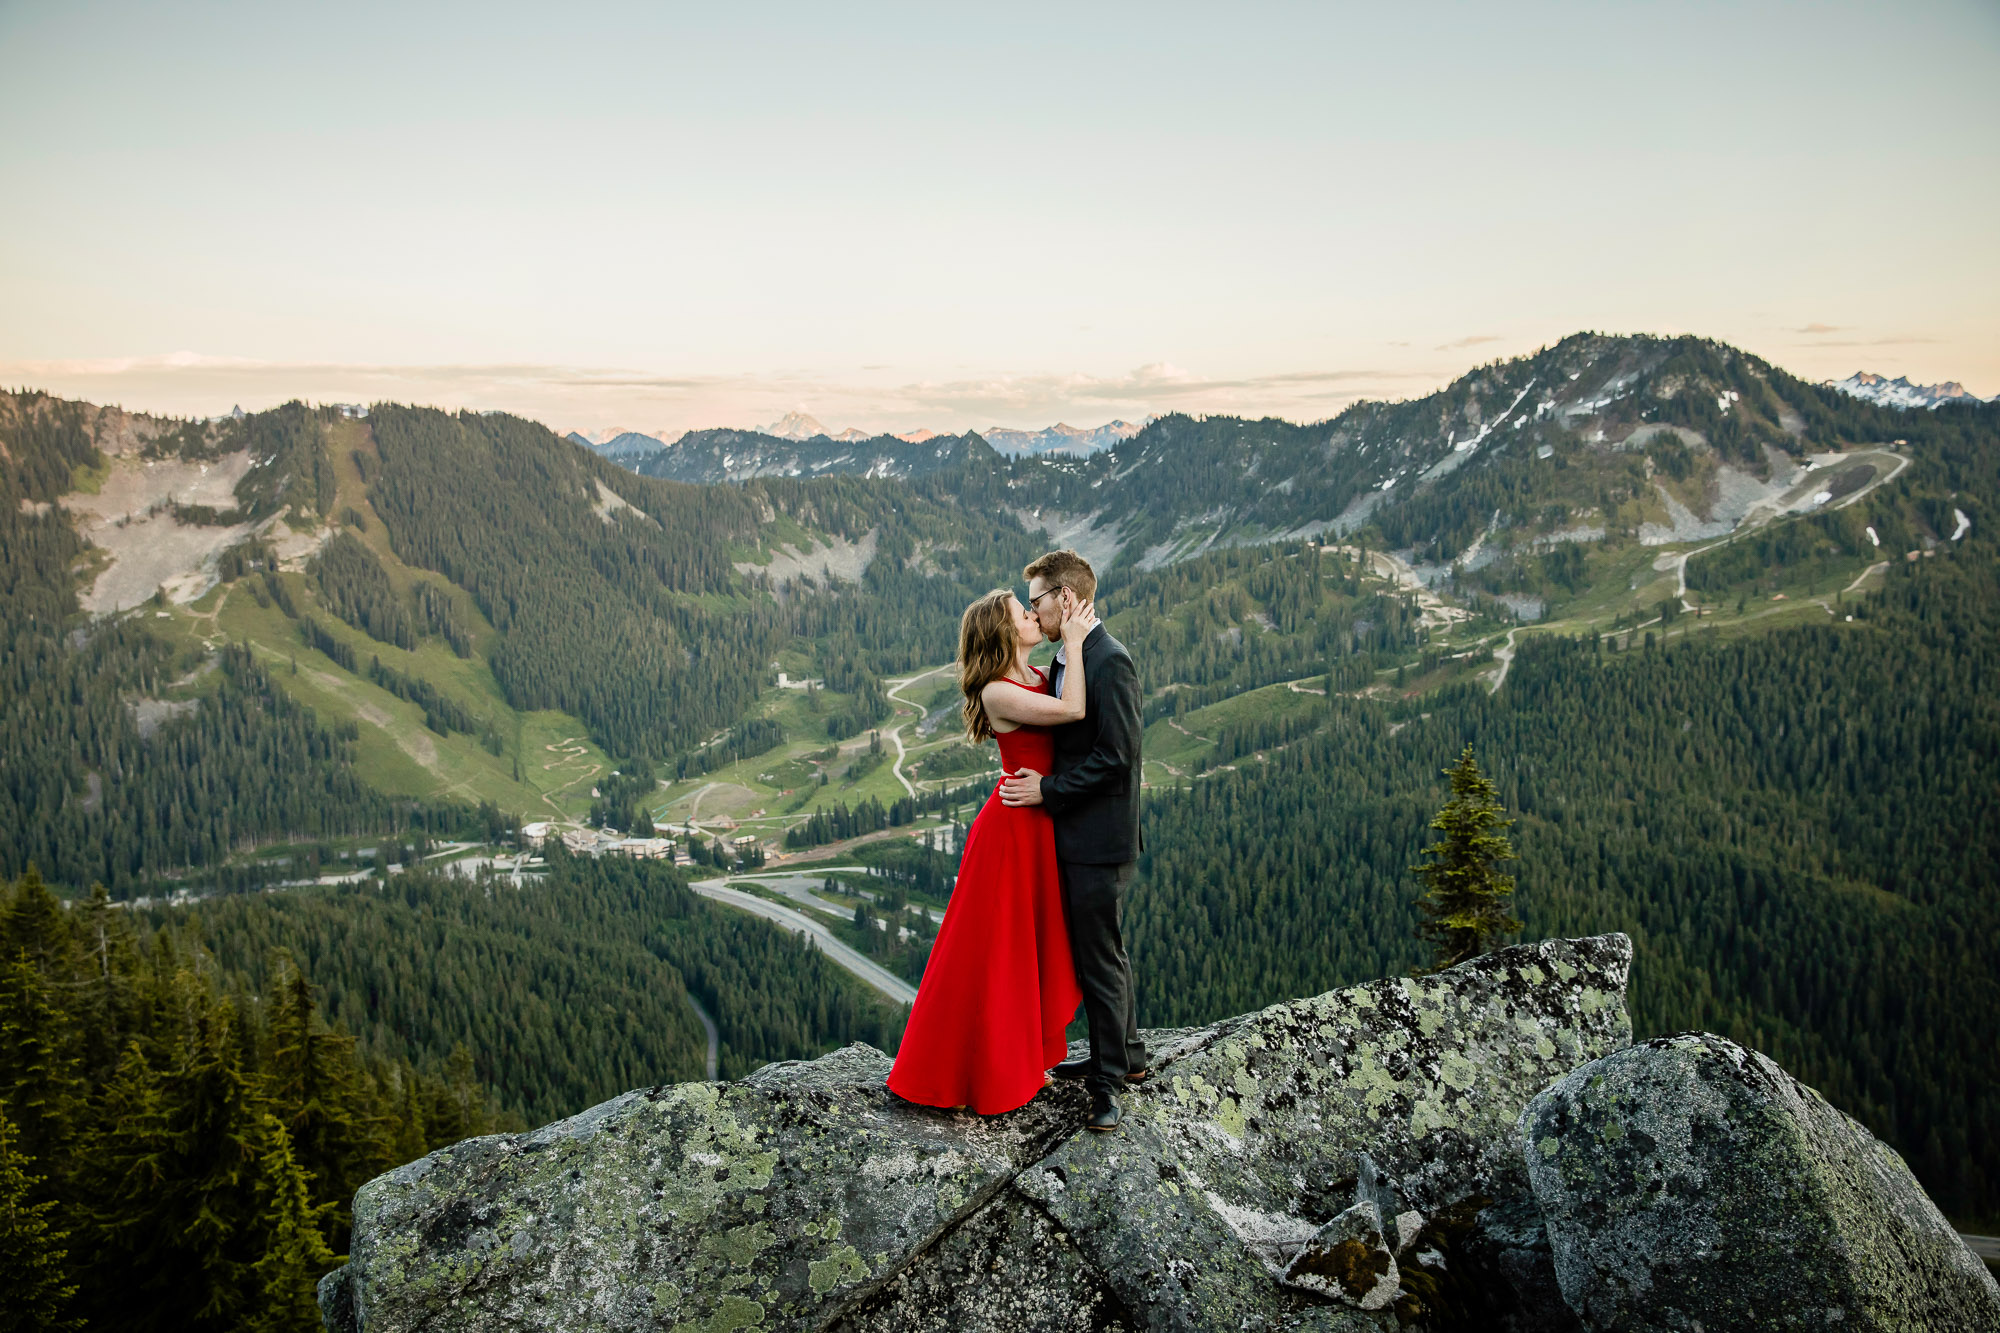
<point>1665,439</point>
<point>1899,392</point>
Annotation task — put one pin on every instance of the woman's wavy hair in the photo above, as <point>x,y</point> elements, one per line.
<point>986,647</point>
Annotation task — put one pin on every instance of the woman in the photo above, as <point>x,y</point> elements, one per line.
<point>999,988</point>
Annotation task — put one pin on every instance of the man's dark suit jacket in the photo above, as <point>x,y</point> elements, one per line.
<point>1093,795</point>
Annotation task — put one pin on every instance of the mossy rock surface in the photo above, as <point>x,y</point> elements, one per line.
<point>1246,1139</point>
<point>1689,1184</point>
<point>807,1197</point>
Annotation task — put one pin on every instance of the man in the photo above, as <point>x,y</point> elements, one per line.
<point>1093,798</point>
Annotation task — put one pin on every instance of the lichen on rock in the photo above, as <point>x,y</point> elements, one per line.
<point>807,1196</point>
<point>1263,1119</point>
<point>1349,1260</point>
<point>1688,1183</point>
<point>695,1207</point>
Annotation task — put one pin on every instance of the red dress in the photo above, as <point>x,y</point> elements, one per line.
<point>999,988</point>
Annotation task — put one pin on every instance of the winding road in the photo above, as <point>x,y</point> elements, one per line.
<point>892,987</point>
<point>1759,516</point>
<point>896,733</point>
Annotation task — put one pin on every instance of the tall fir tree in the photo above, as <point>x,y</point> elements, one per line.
<point>295,1250</point>
<point>38,1075</point>
<point>310,1071</point>
<point>34,1259</point>
<point>1465,895</point>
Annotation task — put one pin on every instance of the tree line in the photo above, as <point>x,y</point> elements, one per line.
<point>179,1147</point>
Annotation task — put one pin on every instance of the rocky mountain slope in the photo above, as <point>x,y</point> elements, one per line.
<point>1059,438</point>
<point>713,457</point>
<point>1662,439</point>
<point>625,447</point>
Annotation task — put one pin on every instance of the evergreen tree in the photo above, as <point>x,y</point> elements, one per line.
<point>33,1257</point>
<point>41,1087</point>
<point>311,1073</point>
<point>1465,896</point>
<point>295,1252</point>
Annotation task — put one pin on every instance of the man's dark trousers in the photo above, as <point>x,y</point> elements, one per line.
<point>1093,796</point>
<point>1093,898</point>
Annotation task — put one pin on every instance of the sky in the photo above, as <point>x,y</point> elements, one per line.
<point>664,217</point>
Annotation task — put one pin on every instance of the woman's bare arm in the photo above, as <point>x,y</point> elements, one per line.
<point>1010,703</point>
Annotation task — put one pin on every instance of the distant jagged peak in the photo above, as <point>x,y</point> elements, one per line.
<point>617,441</point>
<point>795,426</point>
<point>799,427</point>
<point>1065,438</point>
<point>1899,392</point>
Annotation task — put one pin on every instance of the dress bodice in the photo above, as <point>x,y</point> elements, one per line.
<point>1027,747</point>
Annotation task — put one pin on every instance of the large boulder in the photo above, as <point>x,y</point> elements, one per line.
<point>702,1205</point>
<point>1689,1184</point>
<point>1250,1136</point>
<point>807,1196</point>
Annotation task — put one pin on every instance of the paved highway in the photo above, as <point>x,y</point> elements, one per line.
<point>888,983</point>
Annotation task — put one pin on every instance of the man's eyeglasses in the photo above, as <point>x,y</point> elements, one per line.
<point>1043,593</point>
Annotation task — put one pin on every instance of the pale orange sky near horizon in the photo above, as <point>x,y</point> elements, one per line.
<point>888,217</point>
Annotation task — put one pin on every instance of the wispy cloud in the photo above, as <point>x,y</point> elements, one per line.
<point>1819,328</point>
<point>1472,340</point>
<point>601,397</point>
<point>1159,387</point>
<point>1872,342</point>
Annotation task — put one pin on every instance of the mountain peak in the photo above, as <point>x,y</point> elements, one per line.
<point>794,426</point>
<point>1063,437</point>
<point>1899,392</point>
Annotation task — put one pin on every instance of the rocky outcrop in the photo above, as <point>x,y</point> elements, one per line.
<point>806,1196</point>
<point>1248,1139</point>
<point>1689,1184</point>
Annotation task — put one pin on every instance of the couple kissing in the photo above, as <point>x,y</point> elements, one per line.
<point>1033,927</point>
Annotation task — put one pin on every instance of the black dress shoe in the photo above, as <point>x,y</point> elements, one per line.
<point>1081,1068</point>
<point>1104,1113</point>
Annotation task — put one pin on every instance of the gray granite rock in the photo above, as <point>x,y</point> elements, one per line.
<point>765,1202</point>
<point>806,1196</point>
<point>1349,1260</point>
<point>1248,1134</point>
<point>1007,1269</point>
<point>1689,1184</point>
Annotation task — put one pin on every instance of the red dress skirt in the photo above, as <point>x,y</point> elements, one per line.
<point>999,988</point>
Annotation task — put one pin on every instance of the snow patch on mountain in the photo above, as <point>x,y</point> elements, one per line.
<point>1063,438</point>
<point>793,426</point>
<point>1899,392</point>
